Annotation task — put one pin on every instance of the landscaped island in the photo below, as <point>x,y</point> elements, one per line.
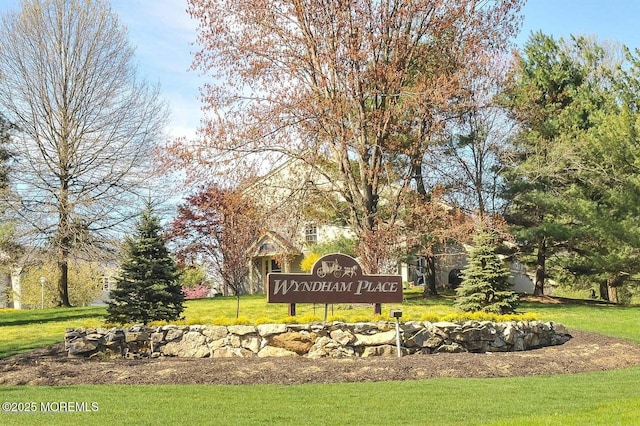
<point>316,340</point>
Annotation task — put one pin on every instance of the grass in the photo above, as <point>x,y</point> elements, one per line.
<point>569,399</point>
<point>612,320</point>
<point>594,398</point>
<point>256,307</point>
<point>24,330</point>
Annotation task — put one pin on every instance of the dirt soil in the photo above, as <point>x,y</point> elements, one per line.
<point>584,352</point>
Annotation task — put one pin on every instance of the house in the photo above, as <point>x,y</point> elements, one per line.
<point>22,286</point>
<point>5,289</point>
<point>291,192</point>
<point>10,279</point>
<point>271,253</point>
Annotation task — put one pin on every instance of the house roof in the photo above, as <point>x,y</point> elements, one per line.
<point>270,243</point>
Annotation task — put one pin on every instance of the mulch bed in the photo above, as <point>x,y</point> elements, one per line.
<point>584,352</point>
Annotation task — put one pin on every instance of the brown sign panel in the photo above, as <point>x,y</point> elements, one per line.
<point>335,278</point>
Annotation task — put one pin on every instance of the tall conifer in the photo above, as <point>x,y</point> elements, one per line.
<point>485,285</point>
<point>148,288</point>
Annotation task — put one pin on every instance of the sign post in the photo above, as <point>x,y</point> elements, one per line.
<point>334,278</point>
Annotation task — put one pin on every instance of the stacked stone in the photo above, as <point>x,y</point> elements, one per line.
<point>313,340</point>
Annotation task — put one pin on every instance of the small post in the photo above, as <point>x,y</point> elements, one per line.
<point>397,313</point>
<point>42,281</point>
<point>377,309</point>
<point>292,309</point>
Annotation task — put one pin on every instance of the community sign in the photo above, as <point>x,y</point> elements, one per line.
<point>334,278</point>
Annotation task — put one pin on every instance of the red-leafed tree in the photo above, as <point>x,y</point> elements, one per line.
<point>363,85</point>
<point>216,227</point>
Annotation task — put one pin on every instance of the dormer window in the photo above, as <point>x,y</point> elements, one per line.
<point>311,234</point>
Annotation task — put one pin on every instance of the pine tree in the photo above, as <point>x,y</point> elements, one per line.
<point>484,284</point>
<point>149,288</point>
<point>5,136</point>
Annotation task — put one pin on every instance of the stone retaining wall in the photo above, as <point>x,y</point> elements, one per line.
<point>312,340</point>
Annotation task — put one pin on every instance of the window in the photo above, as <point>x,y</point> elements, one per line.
<point>275,266</point>
<point>311,234</point>
<point>108,283</point>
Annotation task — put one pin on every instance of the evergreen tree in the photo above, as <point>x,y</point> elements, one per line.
<point>5,136</point>
<point>149,288</point>
<point>546,98</point>
<point>484,284</point>
<point>572,180</point>
<point>7,222</point>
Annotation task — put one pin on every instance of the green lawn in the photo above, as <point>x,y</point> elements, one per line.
<point>21,331</point>
<point>594,398</point>
<point>604,398</point>
<point>618,321</point>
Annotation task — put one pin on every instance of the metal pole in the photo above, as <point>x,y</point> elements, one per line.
<point>398,337</point>
<point>42,281</point>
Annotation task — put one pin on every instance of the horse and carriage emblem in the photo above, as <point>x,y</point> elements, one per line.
<point>334,278</point>
<point>333,267</point>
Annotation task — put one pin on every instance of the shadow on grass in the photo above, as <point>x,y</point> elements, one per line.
<point>444,297</point>
<point>553,301</point>
<point>42,317</point>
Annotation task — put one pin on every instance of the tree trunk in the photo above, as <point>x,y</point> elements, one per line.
<point>609,288</point>
<point>237,302</point>
<point>416,166</point>
<point>604,290</point>
<point>430,277</point>
<point>64,243</point>
<point>540,267</point>
<point>613,293</point>
<point>612,285</point>
<point>63,279</point>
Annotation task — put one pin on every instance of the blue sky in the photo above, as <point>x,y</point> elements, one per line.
<point>162,33</point>
<point>614,20</point>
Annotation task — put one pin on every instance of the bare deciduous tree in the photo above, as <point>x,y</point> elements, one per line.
<point>86,122</point>
<point>467,162</point>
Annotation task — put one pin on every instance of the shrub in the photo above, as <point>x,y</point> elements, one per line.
<point>148,288</point>
<point>198,292</point>
<point>336,318</point>
<point>309,319</point>
<point>221,321</point>
<point>485,286</point>
<point>241,321</point>
<point>84,284</point>
<point>309,260</point>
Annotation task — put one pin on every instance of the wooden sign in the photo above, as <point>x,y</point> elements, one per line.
<point>335,278</point>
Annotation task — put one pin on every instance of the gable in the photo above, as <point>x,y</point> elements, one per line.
<point>271,244</point>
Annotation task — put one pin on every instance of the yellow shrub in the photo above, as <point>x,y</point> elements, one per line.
<point>487,316</point>
<point>264,320</point>
<point>430,317</point>
<point>288,320</point>
<point>309,260</point>
<point>195,321</point>
<point>308,319</point>
<point>336,318</point>
<point>241,321</point>
<point>221,321</point>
